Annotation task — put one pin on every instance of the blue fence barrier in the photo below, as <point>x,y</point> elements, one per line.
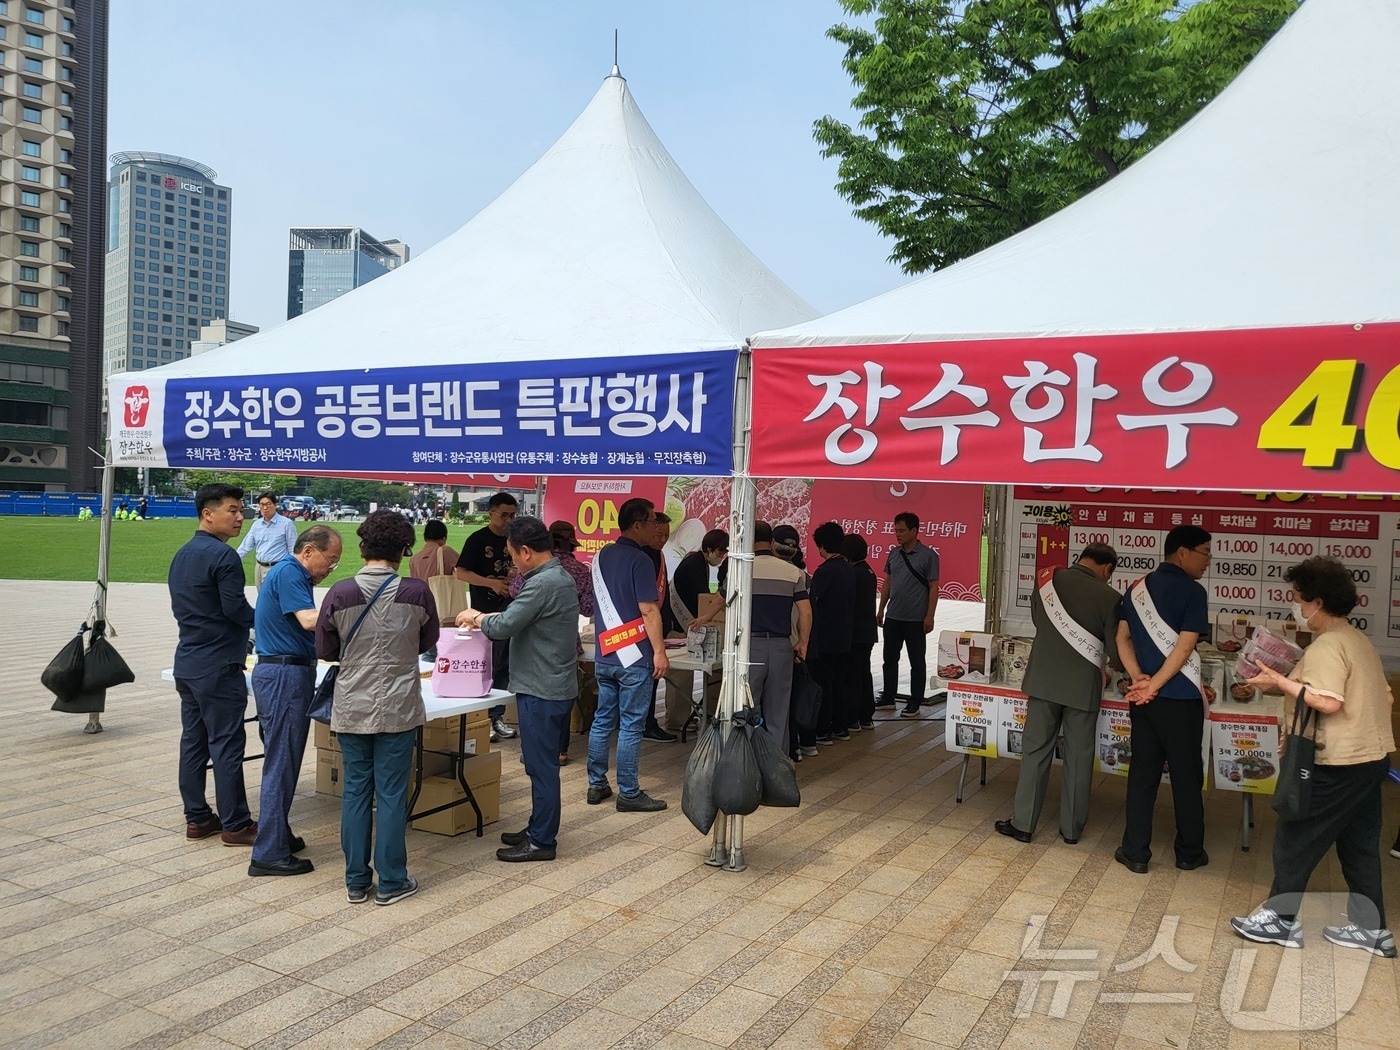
<point>68,504</point>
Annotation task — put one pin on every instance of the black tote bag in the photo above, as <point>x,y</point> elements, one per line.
<point>1293,798</point>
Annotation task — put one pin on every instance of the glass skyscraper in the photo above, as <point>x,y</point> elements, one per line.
<point>325,262</point>
<point>53,146</point>
<point>167,258</point>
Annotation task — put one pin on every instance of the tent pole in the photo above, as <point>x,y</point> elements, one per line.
<point>728,844</point>
<point>995,524</point>
<point>104,561</point>
<point>104,545</point>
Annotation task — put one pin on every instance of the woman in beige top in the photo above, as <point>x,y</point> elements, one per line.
<point>1341,679</point>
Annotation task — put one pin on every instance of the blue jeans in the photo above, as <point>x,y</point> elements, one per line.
<point>211,719</point>
<point>542,724</point>
<point>377,767</point>
<point>283,694</point>
<point>624,695</point>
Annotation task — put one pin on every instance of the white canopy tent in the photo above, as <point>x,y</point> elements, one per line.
<point>602,249</point>
<point>1273,207</point>
<point>601,252</point>
<point>1263,239</point>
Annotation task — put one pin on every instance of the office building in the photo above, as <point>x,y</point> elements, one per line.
<point>53,141</point>
<point>167,258</point>
<point>325,262</point>
<point>218,333</point>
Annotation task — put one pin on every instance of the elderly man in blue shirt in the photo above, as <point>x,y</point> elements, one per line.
<point>284,679</point>
<point>271,538</point>
<point>541,624</point>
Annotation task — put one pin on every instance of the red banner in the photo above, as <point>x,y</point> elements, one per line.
<point>591,505</point>
<point>1298,409</point>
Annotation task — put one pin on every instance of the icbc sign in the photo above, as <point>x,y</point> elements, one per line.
<point>136,404</point>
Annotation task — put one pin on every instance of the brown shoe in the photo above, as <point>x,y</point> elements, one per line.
<point>242,837</point>
<point>195,830</point>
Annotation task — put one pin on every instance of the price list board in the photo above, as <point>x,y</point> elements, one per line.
<point>1255,539</point>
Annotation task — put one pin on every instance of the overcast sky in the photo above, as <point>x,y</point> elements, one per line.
<point>408,118</point>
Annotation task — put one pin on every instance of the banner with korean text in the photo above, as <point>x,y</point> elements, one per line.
<point>650,415</point>
<point>1297,409</point>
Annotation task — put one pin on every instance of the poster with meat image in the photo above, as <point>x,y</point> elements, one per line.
<point>592,504</point>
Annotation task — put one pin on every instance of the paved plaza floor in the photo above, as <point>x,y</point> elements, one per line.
<point>881,913</point>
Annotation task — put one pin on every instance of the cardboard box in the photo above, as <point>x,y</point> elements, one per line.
<point>704,603</point>
<point>483,773</point>
<point>440,734</point>
<point>703,644</point>
<point>330,776</point>
<point>1394,681</point>
<point>323,738</point>
<point>965,657</point>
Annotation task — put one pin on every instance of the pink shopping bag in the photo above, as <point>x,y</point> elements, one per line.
<point>463,667</point>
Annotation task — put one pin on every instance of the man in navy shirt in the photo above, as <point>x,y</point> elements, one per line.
<point>283,682</point>
<point>630,654</point>
<point>1158,628</point>
<point>206,596</point>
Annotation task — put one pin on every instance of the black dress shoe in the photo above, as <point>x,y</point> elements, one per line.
<point>290,866</point>
<point>1138,867</point>
<point>641,802</point>
<point>657,733</point>
<point>526,850</point>
<point>297,844</point>
<point>1192,865</point>
<point>513,838</point>
<point>1005,827</point>
<point>596,795</point>
<point>1069,841</point>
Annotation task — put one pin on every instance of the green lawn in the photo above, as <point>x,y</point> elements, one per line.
<point>66,549</point>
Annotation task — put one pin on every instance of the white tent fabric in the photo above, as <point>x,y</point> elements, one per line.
<point>1274,207</point>
<point>602,249</point>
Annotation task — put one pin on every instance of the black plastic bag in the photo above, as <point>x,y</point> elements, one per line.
<point>323,698</point>
<point>806,698</point>
<point>64,675</point>
<point>738,783</point>
<point>698,788</point>
<point>104,666</point>
<point>84,703</point>
<point>777,771</point>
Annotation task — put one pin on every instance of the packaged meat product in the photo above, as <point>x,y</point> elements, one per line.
<point>1265,647</point>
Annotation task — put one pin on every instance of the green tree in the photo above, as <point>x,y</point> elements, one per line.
<point>251,484</point>
<point>979,118</point>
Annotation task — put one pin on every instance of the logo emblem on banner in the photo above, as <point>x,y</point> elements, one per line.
<point>136,403</point>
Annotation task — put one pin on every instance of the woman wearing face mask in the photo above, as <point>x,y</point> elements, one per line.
<point>1341,679</point>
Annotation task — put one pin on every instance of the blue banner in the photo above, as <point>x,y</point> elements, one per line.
<point>660,414</point>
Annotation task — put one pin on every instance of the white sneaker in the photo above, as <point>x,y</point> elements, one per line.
<point>1266,927</point>
<point>1377,942</point>
<point>807,752</point>
<point>501,731</point>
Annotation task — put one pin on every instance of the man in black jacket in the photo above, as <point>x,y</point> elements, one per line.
<point>864,632</point>
<point>833,624</point>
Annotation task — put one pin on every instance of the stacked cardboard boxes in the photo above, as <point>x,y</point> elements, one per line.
<point>482,769</point>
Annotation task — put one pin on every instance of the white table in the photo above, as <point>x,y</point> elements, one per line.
<point>435,707</point>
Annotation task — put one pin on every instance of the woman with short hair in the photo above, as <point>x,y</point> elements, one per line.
<point>1341,679</point>
<point>376,623</point>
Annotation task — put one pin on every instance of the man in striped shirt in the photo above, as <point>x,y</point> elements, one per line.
<point>271,538</point>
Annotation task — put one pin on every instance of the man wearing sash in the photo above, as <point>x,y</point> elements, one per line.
<point>1161,618</point>
<point>1076,620</point>
<point>630,655</point>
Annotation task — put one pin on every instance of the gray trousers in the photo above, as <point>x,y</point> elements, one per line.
<point>770,681</point>
<point>1044,719</point>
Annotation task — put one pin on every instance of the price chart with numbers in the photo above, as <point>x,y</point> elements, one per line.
<point>1256,537</point>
